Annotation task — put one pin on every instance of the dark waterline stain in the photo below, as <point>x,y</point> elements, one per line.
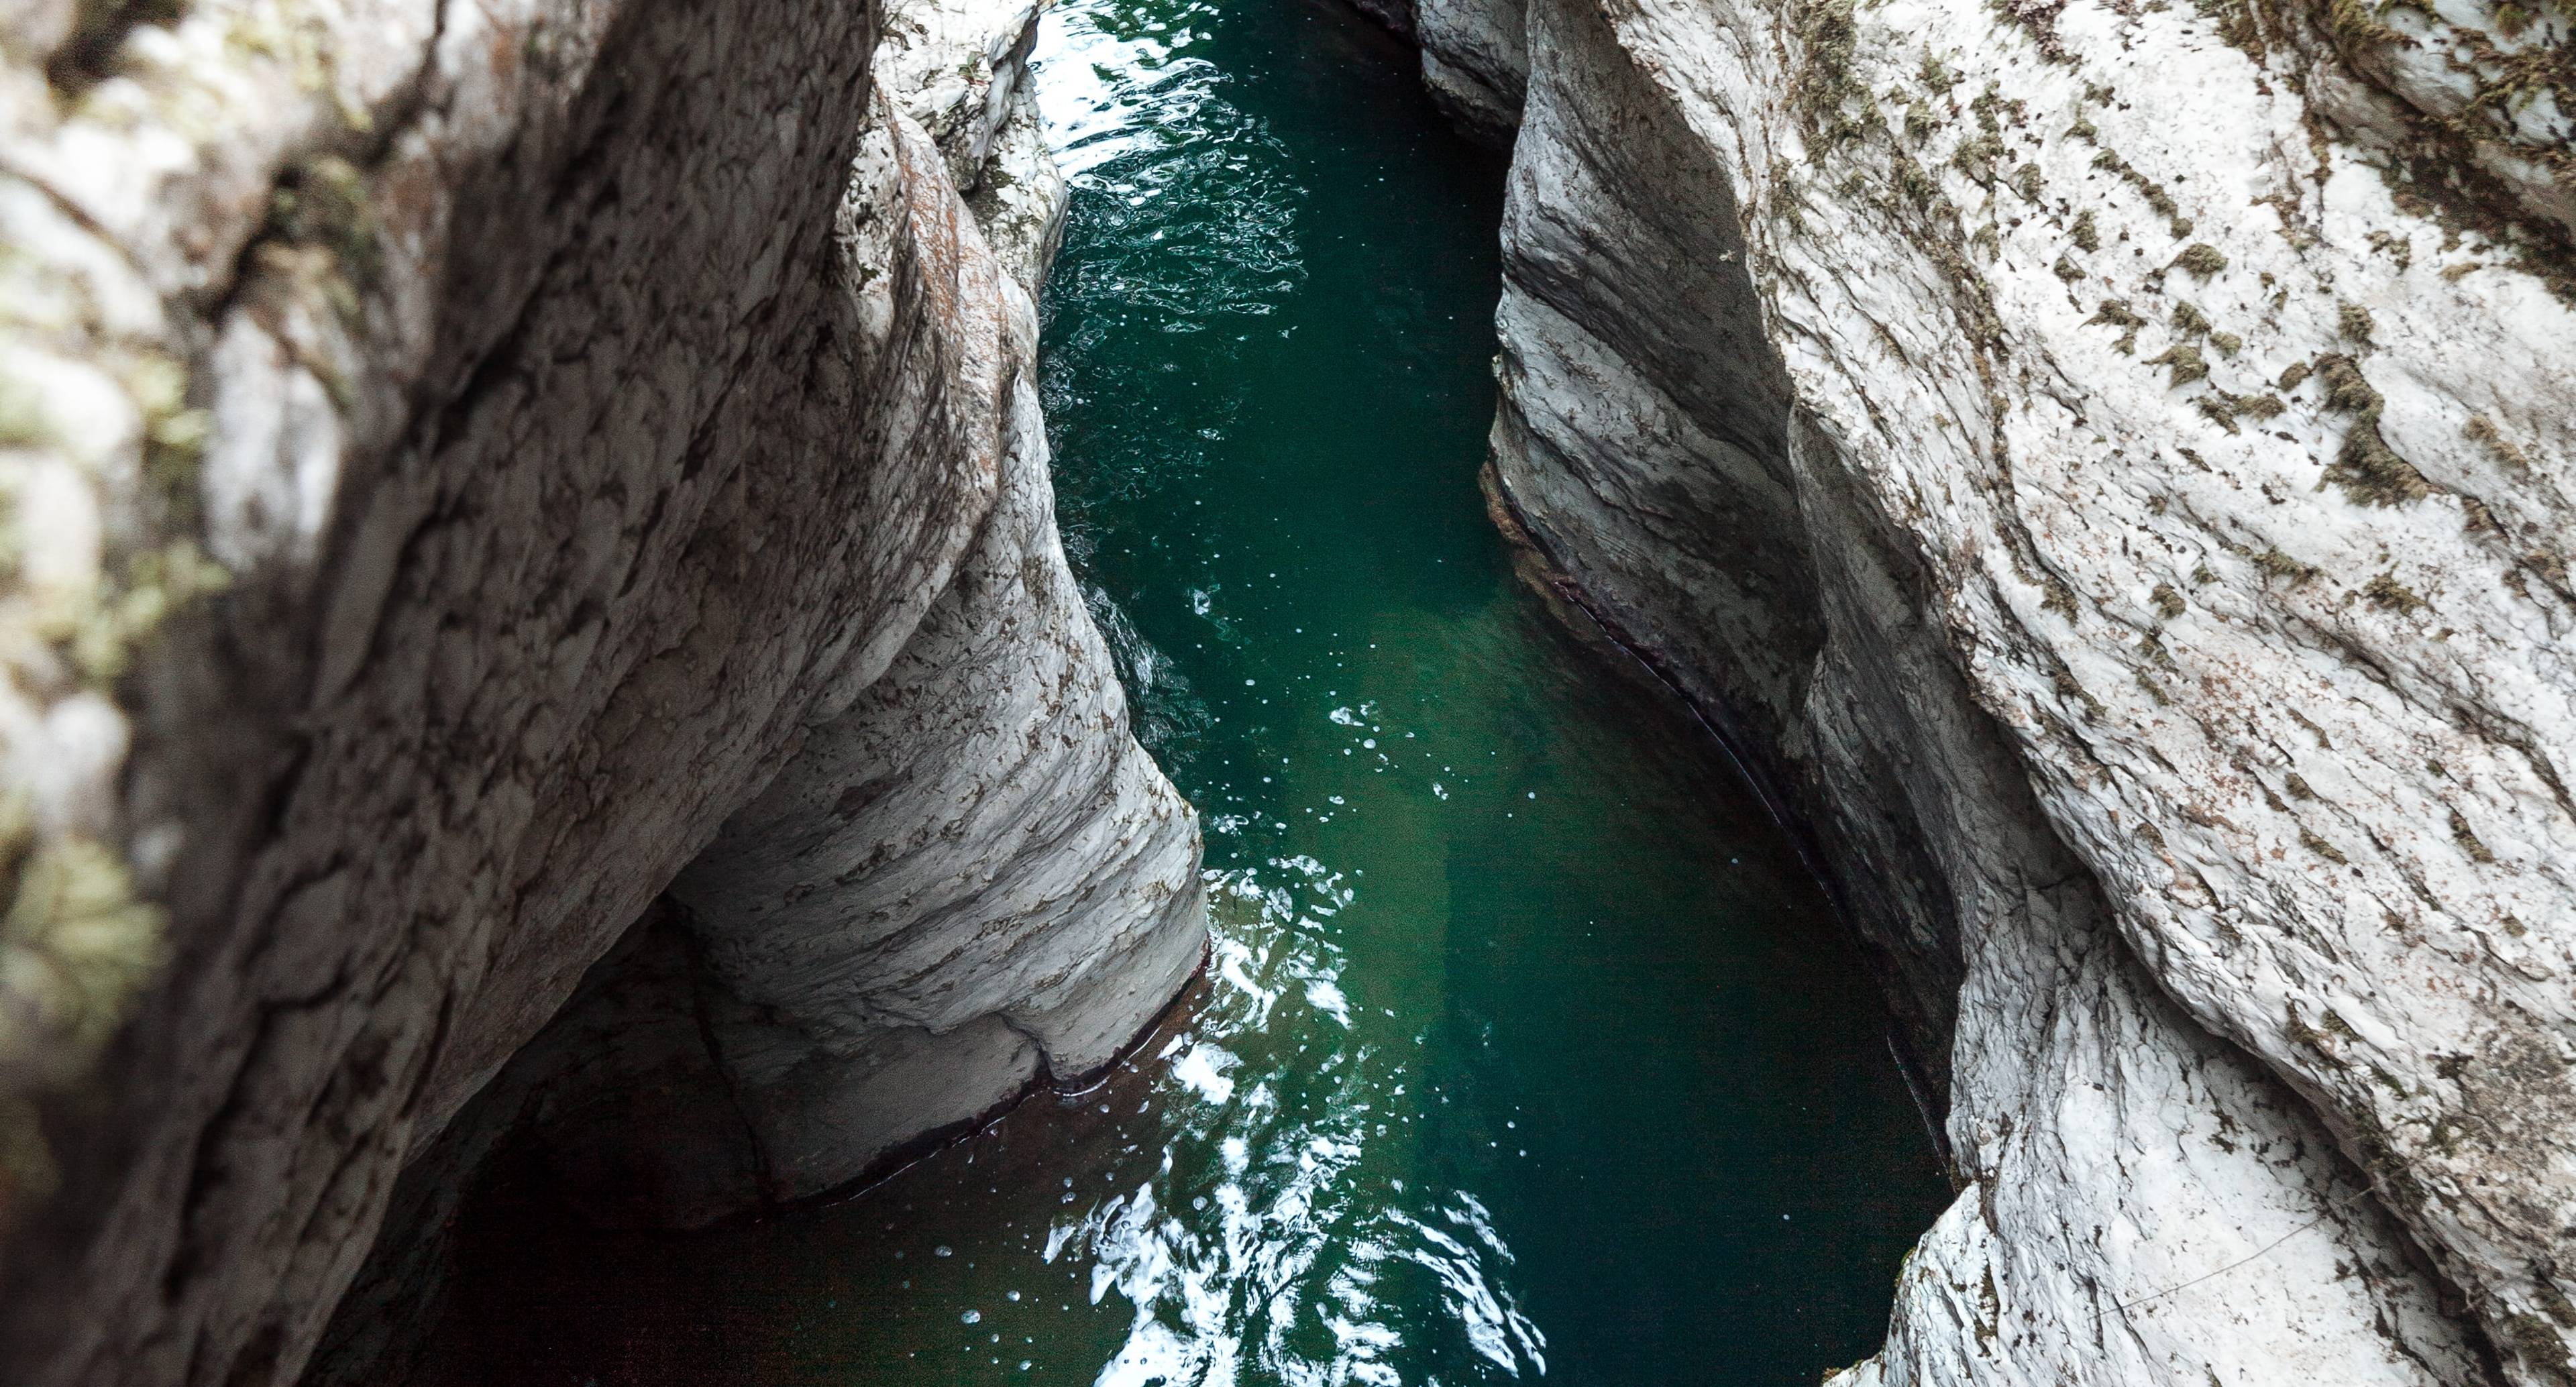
<point>1527,1050</point>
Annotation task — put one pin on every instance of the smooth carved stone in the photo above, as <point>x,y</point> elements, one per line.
<point>2125,523</point>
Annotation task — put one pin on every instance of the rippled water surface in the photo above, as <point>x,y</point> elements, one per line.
<point>1527,1051</point>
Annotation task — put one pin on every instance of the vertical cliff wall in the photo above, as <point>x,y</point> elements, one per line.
<point>464,462</point>
<point>2106,464</point>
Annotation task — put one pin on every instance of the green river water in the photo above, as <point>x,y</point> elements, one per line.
<point>1527,1050</point>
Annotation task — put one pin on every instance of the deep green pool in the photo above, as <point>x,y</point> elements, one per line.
<point>1528,1050</point>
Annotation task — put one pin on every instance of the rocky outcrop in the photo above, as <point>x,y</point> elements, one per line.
<point>2107,465</point>
<point>471,468</point>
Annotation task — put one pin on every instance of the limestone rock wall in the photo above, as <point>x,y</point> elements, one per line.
<point>2107,463</point>
<point>971,877</point>
<point>460,458</point>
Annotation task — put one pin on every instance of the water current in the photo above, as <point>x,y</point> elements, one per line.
<point>1527,1049</point>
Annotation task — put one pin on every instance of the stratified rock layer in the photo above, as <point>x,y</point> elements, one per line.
<point>463,458</point>
<point>2109,466</point>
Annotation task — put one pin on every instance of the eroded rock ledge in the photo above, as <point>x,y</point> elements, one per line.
<point>472,469</point>
<point>2110,465</point>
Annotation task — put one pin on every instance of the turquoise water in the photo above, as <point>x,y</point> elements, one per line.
<point>1527,1050</point>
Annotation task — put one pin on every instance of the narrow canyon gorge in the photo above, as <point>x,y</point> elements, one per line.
<point>2106,464</point>
<point>539,639</point>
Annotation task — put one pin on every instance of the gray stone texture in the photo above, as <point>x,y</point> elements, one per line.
<point>460,458</point>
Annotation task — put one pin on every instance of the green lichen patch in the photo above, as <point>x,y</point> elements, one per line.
<point>2388,594</point>
<point>2058,598</point>
<point>2536,1343</point>
<point>77,947</point>
<point>2219,408</point>
<point>2482,431</point>
<point>76,941</point>
<point>1835,105</point>
<point>2276,564</point>
<point>2085,234</point>
<point>2238,24</point>
<point>2201,260</point>
<point>2117,313</point>
<point>76,950</point>
<point>1976,156</point>
<point>100,627</point>
<point>2361,23</point>
<point>2371,473</point>
<point>2397,248</point>
<point>2468,840</point>
<point>2154,192</point>
<point>2186,363</point>
<point>2366,468</point>
<point>2168,602</point>
<point>2038,18</point>
<point>1917,184</point>
<point>174,437</point>
<point>2152,645</point>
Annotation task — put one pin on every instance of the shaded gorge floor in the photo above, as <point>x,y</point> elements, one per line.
<point>1527,1049</point>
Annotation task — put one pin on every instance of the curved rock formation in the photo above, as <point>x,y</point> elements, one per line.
<point>2109,465</point>
<point>467,465</point>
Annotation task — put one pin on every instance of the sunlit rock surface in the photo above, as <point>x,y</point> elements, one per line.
<point>2110,465</point>
<point>459,459</point>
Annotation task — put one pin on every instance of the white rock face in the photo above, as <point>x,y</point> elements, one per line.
<point>969,878</point>
<point>460,461</point>
<point>2110,465</point>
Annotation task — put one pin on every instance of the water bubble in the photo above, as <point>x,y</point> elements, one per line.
<point>972,1317</point>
